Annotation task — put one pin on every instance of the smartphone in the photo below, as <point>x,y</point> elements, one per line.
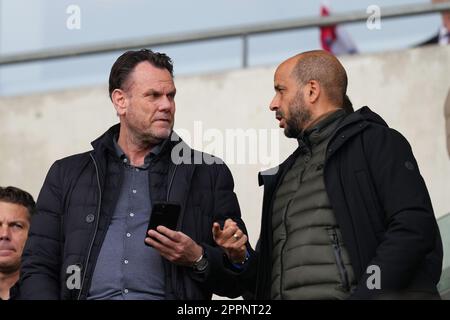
<point>164,214</point>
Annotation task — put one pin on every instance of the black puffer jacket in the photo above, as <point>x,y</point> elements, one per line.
<point>382,207</point>
<point>78,198</point>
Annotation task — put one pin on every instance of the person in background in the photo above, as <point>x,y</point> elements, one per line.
<point>335,38</point>
<point>16,208</point>
<point>442,37</point>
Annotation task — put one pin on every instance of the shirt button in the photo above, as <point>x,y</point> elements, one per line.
<point>128,235</point>
<point>90,218</point>
<point>134,191</point>
<point>137,170</point>
<point>409,165</point>
<point>125,261</point>
<point>125,291</point>
<point>125,160</point>
<point>131,214</point>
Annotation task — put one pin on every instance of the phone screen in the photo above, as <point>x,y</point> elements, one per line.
<point>164,214</point>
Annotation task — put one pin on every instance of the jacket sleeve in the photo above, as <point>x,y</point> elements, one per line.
<point>411,229</point>
<point>40,269</point>
<point>218,278</point>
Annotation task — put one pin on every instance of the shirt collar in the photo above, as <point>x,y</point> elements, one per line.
<point>153,152</point>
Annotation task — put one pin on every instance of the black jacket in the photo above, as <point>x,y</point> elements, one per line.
<point>78,198</point>
<point>382,207</point>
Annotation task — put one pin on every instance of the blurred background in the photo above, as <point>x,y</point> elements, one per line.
<point>41,24</point>
<point>52,103</point>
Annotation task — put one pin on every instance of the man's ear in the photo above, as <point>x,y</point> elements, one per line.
<point>118,98</point>
<point>314,91</point>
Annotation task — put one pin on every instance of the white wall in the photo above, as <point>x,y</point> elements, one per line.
<point>407,88</point>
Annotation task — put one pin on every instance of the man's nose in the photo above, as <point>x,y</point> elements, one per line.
<point>166,103</point>
<point>274,104</point>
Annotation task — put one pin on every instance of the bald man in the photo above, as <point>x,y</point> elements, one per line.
<point>347,215</point>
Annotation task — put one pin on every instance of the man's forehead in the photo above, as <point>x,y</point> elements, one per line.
<point>284,71</point>
<point>145,76</point>
<point>12,211</point>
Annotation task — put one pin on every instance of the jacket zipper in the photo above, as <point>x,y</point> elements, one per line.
<point>260,280</point>
<point>285,229</point>
<point>172,267</point>
<point>97,218</point>
<point>339,261</point>
<point>282,248</point>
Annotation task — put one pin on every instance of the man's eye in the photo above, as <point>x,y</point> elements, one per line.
<point>18,225</point>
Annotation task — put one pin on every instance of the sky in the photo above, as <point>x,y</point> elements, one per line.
<point>39,24</point>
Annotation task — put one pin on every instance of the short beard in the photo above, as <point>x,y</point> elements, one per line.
<point>299,116</point>
<point>147,139</point>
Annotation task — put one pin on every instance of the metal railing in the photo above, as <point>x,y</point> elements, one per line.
<point>239,31</point>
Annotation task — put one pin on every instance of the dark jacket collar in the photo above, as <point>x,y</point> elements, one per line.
<point>321,130</point>
<point>106,142</point>
<point>363,114</point>
<point>350,125</point>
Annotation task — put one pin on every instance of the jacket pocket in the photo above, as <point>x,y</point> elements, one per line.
<point>337,250</point>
